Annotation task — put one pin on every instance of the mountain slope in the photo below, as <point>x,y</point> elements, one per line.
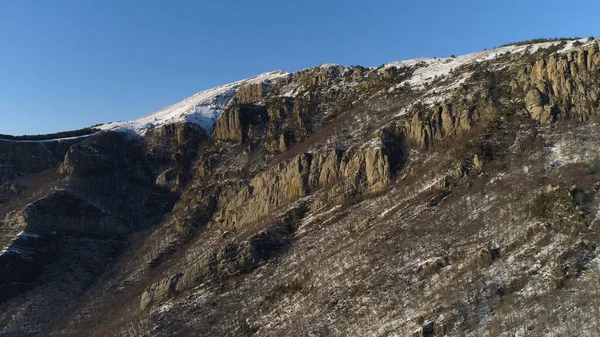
<point>429,197</point>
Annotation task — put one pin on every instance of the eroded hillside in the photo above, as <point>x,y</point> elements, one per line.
<point>429,197</point>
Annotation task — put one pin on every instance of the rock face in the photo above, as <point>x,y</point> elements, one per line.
<point>241,124</point>
<point>27,157</point>
<point>428,125</point>
<point>367,168</point>
<point>562,86</point>
<point>279,125</point>
<point>169,153</point>
<point>18,160</point>
<point>410,199</point>
<point>95,155</point>
<point>64,212</point>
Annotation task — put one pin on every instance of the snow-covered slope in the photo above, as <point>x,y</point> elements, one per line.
<point>429,68</point>
<point>203,108</point>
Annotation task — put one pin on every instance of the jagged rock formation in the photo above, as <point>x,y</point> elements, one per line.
<point>427,197</point>
<point>562,86</point>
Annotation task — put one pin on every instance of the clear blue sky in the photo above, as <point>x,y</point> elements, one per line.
<point>67,64</point>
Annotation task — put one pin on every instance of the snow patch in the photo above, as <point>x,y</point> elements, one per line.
<point>570,45</point>
<point>11,250</point>
<point>203,108</point>
<point>427,69</point>
<point>26,234</point>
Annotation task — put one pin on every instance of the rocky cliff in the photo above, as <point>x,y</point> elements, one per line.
<point>429,197</point>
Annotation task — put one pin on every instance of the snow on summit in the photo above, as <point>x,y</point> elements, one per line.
<point>206,107</point>
<point>203,108</point>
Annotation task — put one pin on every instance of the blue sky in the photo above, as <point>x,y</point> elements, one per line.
<point>67,64</point>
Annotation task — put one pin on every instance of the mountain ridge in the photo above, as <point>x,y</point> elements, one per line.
<point>278,74</point>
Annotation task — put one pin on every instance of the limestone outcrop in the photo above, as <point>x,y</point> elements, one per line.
<point>447,119</point>
<point>366,168</point>
<point>563,85</point>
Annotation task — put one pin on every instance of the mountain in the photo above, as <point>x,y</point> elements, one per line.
<point>430,197</point>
